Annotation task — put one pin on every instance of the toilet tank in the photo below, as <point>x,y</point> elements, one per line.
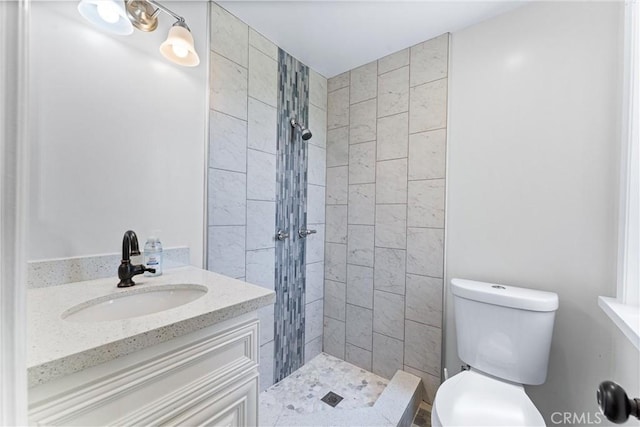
<point>504,331</point>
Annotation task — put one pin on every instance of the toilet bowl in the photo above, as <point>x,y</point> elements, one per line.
<point>472,398</point>
<point>504,334</point>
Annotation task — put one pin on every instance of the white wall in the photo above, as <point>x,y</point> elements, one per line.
<point>118,135</point>
<point>533,174</point>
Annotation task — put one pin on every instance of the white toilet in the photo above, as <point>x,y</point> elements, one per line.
<point>504,334</point>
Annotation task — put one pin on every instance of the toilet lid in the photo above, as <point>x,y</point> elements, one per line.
<point>475,399</point>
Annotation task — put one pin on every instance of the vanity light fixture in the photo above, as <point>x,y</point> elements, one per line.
<point>120,17</point>
<point>108,15</point>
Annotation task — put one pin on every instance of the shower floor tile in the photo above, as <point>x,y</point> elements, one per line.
<point>302,391</point>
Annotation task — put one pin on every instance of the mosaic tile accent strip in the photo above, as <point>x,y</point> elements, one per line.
<point>291,215</point>
<point>61,271</point>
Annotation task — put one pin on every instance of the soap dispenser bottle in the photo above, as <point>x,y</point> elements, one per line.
<point>153,256</point>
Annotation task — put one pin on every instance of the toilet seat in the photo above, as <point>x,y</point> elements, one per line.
<point>472,398</point>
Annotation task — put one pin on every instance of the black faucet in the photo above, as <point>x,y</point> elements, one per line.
<point>126,271</point>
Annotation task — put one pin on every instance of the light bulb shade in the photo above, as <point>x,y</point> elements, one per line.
<point>108,15</point>
<point>178,47</point>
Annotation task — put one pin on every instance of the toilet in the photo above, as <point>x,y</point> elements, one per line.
<point>504,334</point>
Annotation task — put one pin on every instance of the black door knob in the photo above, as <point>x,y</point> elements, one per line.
<point>614,403</point>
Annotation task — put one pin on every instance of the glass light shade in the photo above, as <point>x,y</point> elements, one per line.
<point>179,48</point>
<point>108,15</point>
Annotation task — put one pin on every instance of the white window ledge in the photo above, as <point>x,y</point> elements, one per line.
<point>625,316</point>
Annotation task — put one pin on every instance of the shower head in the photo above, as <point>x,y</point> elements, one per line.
<point>304,132</point>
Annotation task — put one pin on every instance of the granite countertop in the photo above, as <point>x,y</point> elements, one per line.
<point>58,347</point>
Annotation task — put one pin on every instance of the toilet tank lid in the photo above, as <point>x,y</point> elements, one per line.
<point>504,295</point>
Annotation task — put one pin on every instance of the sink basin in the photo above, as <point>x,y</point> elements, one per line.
<point>134,303</point>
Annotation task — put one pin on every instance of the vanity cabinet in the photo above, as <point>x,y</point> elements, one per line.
<point>207,377</point>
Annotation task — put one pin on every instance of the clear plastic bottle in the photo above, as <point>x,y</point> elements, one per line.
<point>153,256</point>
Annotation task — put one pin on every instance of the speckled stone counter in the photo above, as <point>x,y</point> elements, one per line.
<point>58,347</point>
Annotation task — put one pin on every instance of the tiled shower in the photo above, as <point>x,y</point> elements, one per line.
<point>369,290</point>
<point>386,145</point>
<point>243,185</point>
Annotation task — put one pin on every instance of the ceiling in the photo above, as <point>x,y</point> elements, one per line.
<point>335,36</point>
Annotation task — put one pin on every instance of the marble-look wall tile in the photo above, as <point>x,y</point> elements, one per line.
<point>338,82</point>
<point>391,181</point>
<point>229,35</point>
<point>337,185</point>
<point>394,61</point>
<point>265,315</point>
<point>360,243</point>
<point>360,286</point>
<point>429,60</point>
<point>263,77</point>
<point>393,137</point>
<point>338,108</point>
<point>338,147</point>
<point>314,286</point>
<point>335,299</point>
<point>228,87</point>
<point>391,178</point>
<point>362,122</point>
<point>262,130</point>
<point>388,354</point>
<point>359,326</point>
<point>422,347</point>
<point>389,270</point>
<point>316,165</point>
<point>261,175</point>
<point>266,365</point>
<point>318,126</point>
<point>429,382</point>
<point>427,154</point>
<point>362,204</point>
<point>317,90</point>
<point>260,224</point>
<point>315,204</point>
<point>227,142</point>
<point>426,203</point>
<point>424,300</point>
<point>227,197</point>
<point>314,244</point>
<point>391,226</point>
<point>335,266</point>
<point>334,337</point>
<point>336,223</point>
<point>428,106</point>
<point>263,44</point>
<point>226,253</point>
<point>362,163</point>
<point>364,82</point>
<point>358,356</point>
<point>388,310</point>
<point>393,92</point>
<point>260,269</point>
<point>312,349</point>
<point>313,320</point>
<point>425,251</point>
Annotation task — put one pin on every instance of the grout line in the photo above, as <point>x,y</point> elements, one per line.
<point>406,231</point>
<point>231,115</point>
<point>375,156</point>
<point>246,67</point>
<point>428,130</point>
<point>426,83</point>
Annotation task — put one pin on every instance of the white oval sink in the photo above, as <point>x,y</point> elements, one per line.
<point>134,303</point>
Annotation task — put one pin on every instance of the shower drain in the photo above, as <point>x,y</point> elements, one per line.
<point>332,399</point>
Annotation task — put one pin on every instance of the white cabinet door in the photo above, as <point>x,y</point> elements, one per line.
<point>204,378</point>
